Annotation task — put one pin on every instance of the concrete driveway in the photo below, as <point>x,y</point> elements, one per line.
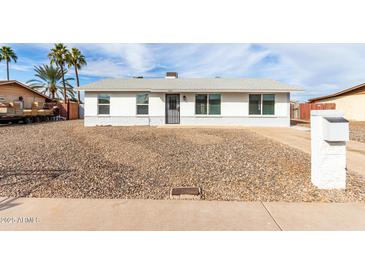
<point>299,137</point>
<point>121,214</point>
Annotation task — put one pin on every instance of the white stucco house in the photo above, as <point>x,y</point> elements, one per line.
<point>194,101</point>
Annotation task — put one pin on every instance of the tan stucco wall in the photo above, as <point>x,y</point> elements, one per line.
<point>11,92</point>
<point>353,106</point>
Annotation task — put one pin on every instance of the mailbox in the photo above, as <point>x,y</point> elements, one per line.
<point>329,134</point>
<point>335,129</point>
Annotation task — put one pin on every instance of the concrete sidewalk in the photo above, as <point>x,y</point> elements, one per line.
<point>299,137</point>
<point>104,214</point>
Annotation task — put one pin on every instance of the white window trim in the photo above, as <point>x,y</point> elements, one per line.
<point>261,105</point>
<point>148,104</point>
<point>97,104</point>
<point>208,114</point>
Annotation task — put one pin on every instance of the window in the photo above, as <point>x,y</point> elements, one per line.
<point>103,104</point>
<point>268,104</point>
<point>201,104</point>
<point>142,104</point>
<point>214,104</point>
<point>255,104</point>
<point>262,104</point>
<point>208,104</point>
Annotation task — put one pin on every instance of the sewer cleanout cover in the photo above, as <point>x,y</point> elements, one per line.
<point>187,193</point>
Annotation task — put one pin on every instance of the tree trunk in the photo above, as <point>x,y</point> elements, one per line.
<point>77,83</point>
<point>78,91</point>
<point>63,82</point>
<point>7,69</point>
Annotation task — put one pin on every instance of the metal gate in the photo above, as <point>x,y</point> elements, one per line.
<point>172,108</point>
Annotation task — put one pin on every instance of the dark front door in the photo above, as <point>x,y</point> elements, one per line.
<point>172,108</point>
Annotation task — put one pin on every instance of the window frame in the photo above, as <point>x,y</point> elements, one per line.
<point>98,104</point>
<point>138,104</point>
<point>261,104</point>
<point>208,114</point>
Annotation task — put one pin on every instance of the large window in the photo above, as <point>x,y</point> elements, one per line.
<point>103,104</point>
<point>208,104</point>
<point>255,104</point>
<point>201,103</point>
<point>142,104</point>
<point>268,104</point>
<point>262,104</point>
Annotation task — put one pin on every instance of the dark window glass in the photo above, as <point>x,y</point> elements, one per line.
<point>142,103</point>
<point>142,99</point>
<point>103,99</point>
<point>103,109</point>
<point>215,104</point>
<point>142,109</point>
<point>103,104</point>
<point>268,102</point>
<point>255,104</point>
<point>201,103</point>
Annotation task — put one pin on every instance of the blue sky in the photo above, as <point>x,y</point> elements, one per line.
<point>318,68</point>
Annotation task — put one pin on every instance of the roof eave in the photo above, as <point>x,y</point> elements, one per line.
<point>186,90</point>
<point>343,92</point>
<point>24,86</point>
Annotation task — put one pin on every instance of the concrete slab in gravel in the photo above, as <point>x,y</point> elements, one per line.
<point>116,214</point>
<point>318,216</point>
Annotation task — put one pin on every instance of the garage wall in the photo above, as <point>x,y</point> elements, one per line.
<point>123,109</point>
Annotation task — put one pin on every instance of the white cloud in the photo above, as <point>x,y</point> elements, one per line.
<point>318,68</point>
<point>124,59</point>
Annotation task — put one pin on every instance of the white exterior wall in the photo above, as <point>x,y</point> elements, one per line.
<point>234,110</point>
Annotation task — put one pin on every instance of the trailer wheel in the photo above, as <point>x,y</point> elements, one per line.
<point>27,120</point>
<point>36,119</point>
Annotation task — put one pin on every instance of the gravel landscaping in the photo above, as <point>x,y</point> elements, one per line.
<point>65,159</point>
<point>357,131</point>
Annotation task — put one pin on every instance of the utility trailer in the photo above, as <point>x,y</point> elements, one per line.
<point>14,113</point>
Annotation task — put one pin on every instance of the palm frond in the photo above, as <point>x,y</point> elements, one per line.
<point>48,80</point>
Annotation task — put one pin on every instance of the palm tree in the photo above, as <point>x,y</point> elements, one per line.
<point>58,57</point>
<point>48,81</point>
<point>76,59</point>
<point>7,54</point>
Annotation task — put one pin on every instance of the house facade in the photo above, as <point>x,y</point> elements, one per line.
<point>350,101</point>
<point>11,91</point>
<point>172,100</point>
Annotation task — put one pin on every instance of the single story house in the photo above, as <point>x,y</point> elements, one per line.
<point>351,101</point>
<point>12,90</point>
<point>197,101</point>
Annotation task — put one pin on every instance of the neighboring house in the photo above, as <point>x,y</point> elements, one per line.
<point>197,101</point>
<point>351,101</point>
<point>13,91</point>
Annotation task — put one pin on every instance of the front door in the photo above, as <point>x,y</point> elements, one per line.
<point>172,108</point>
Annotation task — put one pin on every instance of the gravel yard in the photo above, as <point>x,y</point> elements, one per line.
<point>357,131</point>
<point>65,159</point>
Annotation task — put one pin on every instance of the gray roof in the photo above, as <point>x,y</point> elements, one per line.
<point>188,84</point>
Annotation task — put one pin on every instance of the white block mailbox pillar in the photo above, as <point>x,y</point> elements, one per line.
<point>329,134</point>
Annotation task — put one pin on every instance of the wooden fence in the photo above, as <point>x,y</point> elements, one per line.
<point>69,110</point>
<point>305,109</point>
